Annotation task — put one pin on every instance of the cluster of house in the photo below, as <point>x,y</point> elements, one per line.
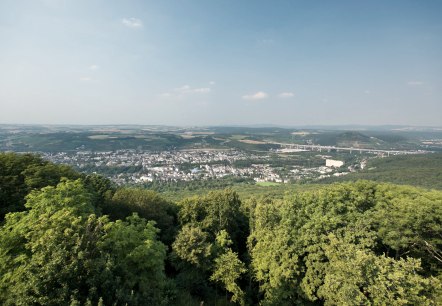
<point>143,166</point>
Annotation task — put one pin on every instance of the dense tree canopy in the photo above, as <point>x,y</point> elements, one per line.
<point>19,174</point>
<point>349,244</point>
<point>147,204</point>
<point>74,239</point>
<point>213,231</point>
<point>59,251</point>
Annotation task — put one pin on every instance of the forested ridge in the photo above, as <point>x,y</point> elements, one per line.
<point>424,170</point>
<point>67,238</point>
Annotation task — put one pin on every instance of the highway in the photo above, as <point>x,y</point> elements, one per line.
<point>349,149</point>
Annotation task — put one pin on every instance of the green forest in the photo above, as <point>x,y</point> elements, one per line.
<point>68,238</point>
<point>424,170</point>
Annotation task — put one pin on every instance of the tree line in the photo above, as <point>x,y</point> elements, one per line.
<point>68,238</point>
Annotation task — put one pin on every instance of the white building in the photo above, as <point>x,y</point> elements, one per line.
<point>333,163</point>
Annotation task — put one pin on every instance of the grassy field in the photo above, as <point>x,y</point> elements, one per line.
<point>268,184</point>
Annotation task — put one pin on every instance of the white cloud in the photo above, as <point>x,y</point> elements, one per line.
<point>186,89</point>
<point>93,67</point>
<point>201,90</point>
<point>367,92</point>
<point>286,95</point>
<point>131,22</point>
<point>212,83</point>
<point>256,96</point>
<point>86,79</point>
<point>415,83</point>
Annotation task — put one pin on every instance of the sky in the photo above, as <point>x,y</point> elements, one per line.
<point>224,62</point>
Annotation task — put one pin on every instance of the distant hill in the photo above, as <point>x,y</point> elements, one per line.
<point>353,139</point>
<point>24,138</point>
<point>417,170</point>
<point>346,139</point>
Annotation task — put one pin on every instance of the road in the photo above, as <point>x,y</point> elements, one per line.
<point>350,149</point>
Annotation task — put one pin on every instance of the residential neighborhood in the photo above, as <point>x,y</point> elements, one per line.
<point>138,167</point>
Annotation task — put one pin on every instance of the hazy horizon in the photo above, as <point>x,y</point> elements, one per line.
<point>200,63</point>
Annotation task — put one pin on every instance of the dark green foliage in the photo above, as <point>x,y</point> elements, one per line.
<point>214,230</point>
<point>148,205</point>
<point>217,211</point>
<point>409,223</point>
<point>42,248</point>
<point>19,174</point>
<point>197,185</point>
<point>101,188</point>
<point>228,268</point>
<point>356,244</point>
<point>59,252</point>
<point>134,263</point>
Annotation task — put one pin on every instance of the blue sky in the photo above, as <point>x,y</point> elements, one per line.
<point>221,62</point>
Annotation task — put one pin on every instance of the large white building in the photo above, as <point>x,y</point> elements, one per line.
<point>333,163</point>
